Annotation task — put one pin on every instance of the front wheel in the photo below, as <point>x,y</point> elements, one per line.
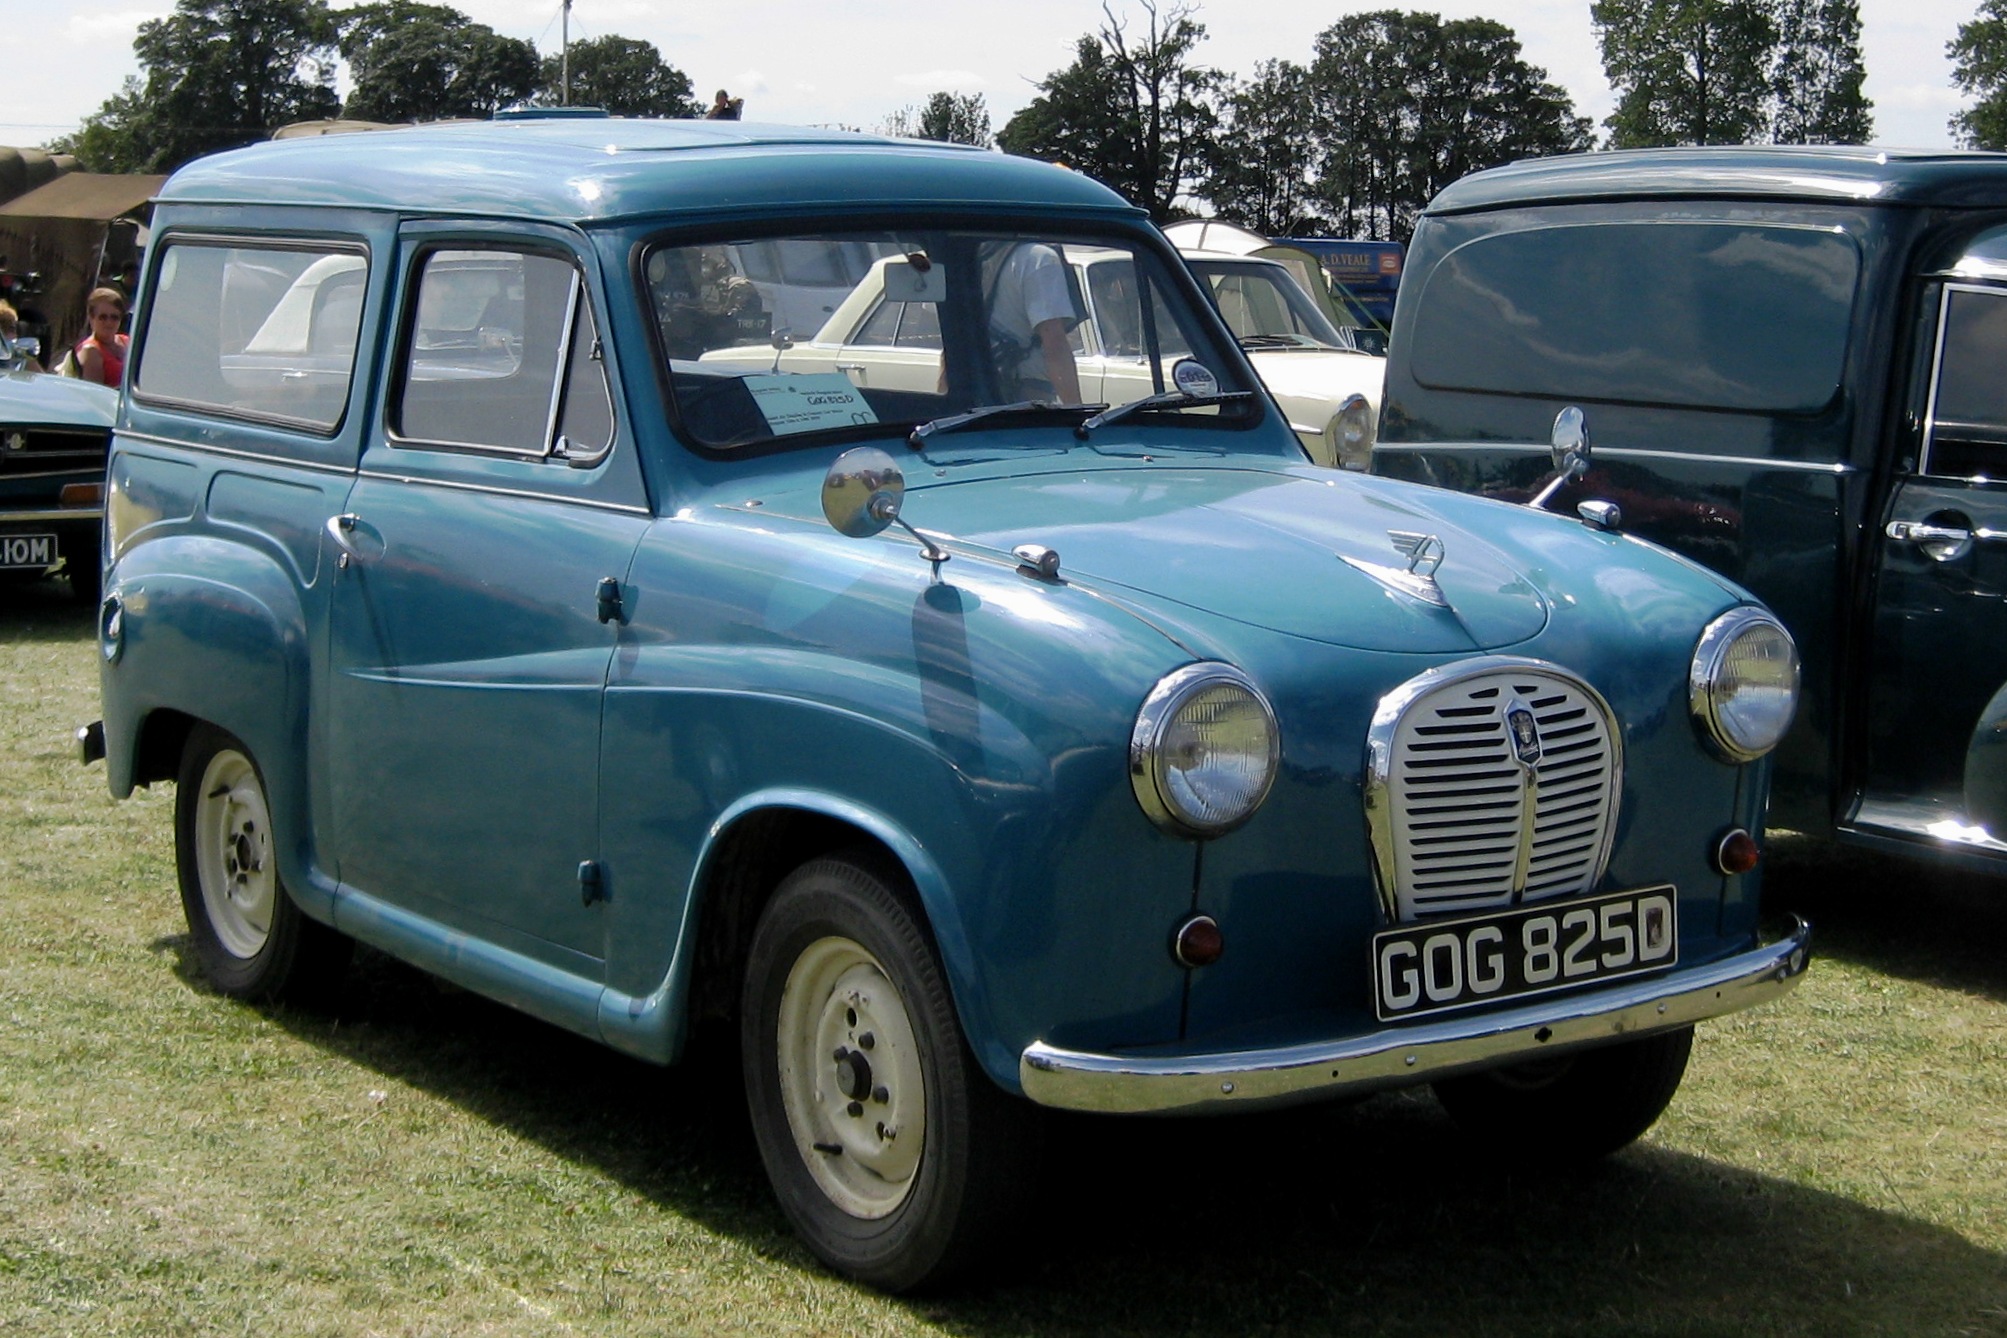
<point>250,939</point>
<point>893,1155</point>
<point>1576,1107</point>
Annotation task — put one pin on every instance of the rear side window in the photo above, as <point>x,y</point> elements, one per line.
<point>502,355</point>
<point>264,332</point>
<point>1749,317</point>
<point>1968,411</point>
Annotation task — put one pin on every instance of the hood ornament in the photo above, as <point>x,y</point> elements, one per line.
<point>1424,552</point>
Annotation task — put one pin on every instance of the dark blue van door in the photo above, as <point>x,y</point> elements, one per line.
<point>1938,652</point>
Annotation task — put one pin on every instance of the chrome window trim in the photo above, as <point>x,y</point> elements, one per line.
<point>1836,469</point>
<point>1937,371</point>
<point>396,440</point>
<point>494,490</point>
<point>1165,1080</point>
<point>1378,776</point>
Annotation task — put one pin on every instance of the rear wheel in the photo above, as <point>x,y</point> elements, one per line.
<point>892,1154</point>
<point>250,939</point>
<point>1576,1107</point>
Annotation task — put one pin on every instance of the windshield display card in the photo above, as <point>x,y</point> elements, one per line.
<point>809,403</point>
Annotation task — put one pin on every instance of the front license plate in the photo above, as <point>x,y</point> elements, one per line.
<point>1439,965</point>
<point>27,550</point>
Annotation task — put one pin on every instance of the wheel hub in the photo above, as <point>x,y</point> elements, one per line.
<point>851,1077</point>
<point>233,848</point>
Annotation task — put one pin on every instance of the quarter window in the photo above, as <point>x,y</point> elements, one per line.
<point>262,332</point>
<point>491,331</point>
<point>1968,415</point>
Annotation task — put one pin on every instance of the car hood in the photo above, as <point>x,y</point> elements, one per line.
<point>1295,550</point>
<point>37,399</point>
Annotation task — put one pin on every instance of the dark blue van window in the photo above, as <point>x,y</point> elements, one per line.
<point>1699,315</point>
<point>1968,410</point>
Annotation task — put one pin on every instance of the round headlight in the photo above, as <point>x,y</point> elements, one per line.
<point>1204,750</point>
<point>1743,689</point>
<point>1352,433</point>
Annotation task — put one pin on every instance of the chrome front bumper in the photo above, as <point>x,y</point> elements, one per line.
<point>1156,1082</point>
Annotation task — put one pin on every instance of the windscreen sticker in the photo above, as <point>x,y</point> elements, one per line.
<point>809,403</point>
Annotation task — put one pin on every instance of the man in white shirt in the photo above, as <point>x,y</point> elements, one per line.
<point>1031,312</point>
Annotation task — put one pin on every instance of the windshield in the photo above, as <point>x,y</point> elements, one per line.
<point>1265,307</point>
<point>857,334</point>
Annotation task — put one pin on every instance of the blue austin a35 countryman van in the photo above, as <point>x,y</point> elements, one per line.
<point>974,742</point>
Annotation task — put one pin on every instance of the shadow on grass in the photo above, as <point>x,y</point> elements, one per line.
<point>34,611</point>
<point>1907,918</point>
<point>1367,1219</point>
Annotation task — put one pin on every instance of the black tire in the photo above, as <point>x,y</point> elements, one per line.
<point>251,940</point>
<point>1573,1108</point>
<point>840,965</point>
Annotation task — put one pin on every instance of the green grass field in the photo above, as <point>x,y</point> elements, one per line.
<point>419,1161</point>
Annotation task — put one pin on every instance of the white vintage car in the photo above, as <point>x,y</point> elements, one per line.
<point>1329,391</point>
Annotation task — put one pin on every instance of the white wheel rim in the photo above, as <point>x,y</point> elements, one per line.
<point>233,854</point>
<point>851,1078</point>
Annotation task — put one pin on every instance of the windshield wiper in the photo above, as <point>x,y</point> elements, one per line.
<point>1171,399</point>
<point>1022,408</point>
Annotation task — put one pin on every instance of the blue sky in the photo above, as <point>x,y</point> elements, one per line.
<point>812,62</point>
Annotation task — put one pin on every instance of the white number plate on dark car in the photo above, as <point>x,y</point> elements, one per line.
<point>27,550</point>
<point>1433,966</point>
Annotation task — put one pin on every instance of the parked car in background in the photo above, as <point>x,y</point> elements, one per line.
<point>965,752</point>
<point>1794,365</point>
<point>1364,324</point>
<point>54,436</point>
<point>1329,392</point>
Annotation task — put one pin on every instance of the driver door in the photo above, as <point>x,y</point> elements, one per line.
<point>1938,647</point>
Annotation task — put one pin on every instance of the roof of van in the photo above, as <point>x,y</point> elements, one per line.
<point>589,168</point>
<point>1941,177</point>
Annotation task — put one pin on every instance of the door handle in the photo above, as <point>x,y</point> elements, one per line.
<point>1941,543</point>
<point>341,529</point>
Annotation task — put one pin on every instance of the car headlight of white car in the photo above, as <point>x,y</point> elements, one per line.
<point>1204,750</point>
<point>1743,687</point>
<point>1351,431</point>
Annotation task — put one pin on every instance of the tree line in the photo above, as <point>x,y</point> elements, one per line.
<point>216,74</point>
<point>1390,107</point>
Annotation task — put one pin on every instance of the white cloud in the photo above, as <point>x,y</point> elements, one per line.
<point>117,27</point>
<point>751,81</point>
<point>1919,97</point>
<point>952,81</point>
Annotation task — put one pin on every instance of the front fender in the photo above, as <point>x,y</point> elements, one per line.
<point>653,1026</point>
<point>215,631</point>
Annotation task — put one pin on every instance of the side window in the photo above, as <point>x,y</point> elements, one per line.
<point>1968,414</point>
<point>585,425</point>
<point>881,328</point>
<point>920,326</point>
<point>490,332</point>
<point>1118,313</point>
<point>263,332</point>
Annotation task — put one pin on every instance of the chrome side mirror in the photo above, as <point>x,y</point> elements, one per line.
<point>1571,441</point>
<point>1571,455</point>
<point>862,494</point>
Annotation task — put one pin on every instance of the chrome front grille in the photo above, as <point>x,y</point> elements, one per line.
<point>1490,783</point>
